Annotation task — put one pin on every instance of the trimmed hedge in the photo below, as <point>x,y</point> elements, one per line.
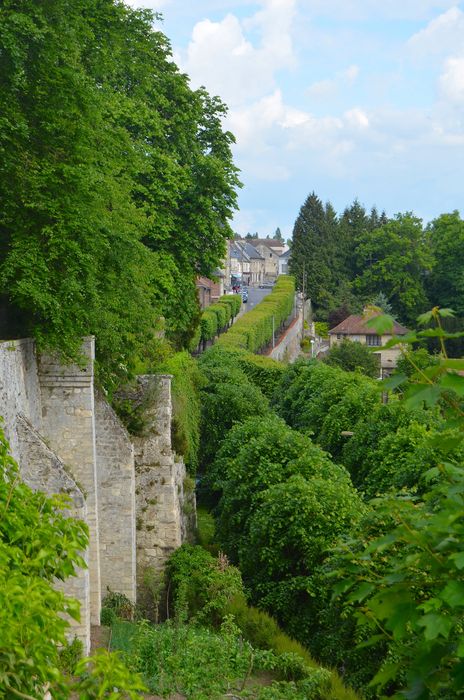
<point>221,313</point>
<point>262,371</point>
<point>208,325</point>
<point>232,300</point>
<point>195,341</point>
<point>216,317</point>
<point>254,330</point>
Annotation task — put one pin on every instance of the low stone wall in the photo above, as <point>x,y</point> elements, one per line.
<point>288,347</point>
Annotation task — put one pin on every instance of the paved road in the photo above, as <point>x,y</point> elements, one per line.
<point>255,295</point>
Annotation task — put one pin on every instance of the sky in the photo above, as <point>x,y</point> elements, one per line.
<point>348,98</point>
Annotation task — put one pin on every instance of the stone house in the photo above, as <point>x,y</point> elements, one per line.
<point>270,250</point>
<point>284,259</point>
<point>354,328</point>
<point>246,263</point>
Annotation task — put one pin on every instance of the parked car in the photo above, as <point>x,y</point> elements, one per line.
<point>244,295</point>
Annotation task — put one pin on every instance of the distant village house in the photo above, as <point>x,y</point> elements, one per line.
<point>355,328</point>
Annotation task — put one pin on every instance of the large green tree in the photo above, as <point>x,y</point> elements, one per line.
<point>445,284</point>
<point>394,259</point>
<point>116,180</point>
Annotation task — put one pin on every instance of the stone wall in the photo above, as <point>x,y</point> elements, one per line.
<point>116,494</point>
<point>19,388</point>
<point>68,419</point>
<point>43,471</point>
<point>160,477</point>
<point>288,347</point>
<point>67,439</point>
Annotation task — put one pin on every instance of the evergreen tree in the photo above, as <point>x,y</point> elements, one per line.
<point>308,262</point>
<point>278,234</point>
<point>354,222</point>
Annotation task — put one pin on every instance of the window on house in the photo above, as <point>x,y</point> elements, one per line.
<point>373,340</point>
<point>339,336</point>
<point>270,255</point>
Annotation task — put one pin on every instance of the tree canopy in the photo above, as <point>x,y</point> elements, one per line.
<point>116,180</point>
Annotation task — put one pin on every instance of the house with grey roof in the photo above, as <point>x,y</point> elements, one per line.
<point>246,263</point>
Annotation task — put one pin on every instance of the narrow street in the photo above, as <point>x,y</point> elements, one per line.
<point>255,295</point>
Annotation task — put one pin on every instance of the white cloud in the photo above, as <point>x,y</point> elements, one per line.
<point>221,57</point>
<point>452,80</point>
<point>325,88</point>
<point>443,35</point>
<point>356,118</point>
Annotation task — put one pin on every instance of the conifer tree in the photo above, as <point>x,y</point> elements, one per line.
<point>308,262</point>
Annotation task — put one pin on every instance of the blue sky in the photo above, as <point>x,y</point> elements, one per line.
<point>350,98</point>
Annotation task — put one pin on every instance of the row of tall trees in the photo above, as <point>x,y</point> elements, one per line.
<point>116,180</point>
<point>347,260</point>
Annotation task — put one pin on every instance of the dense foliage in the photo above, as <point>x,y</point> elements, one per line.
<point>228,397</point>
<point>374,587</point>
<point>116,181</point>
<point>186,384</point>
<point>352,357</point>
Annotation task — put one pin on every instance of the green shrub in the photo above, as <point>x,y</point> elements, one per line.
<point>255,455</point>
<point>234,301</point>
<point>208,325</point>
<point>195,340</point>
<point>288,532</point>
<point>107,616</point>
<point>190,660</point>
<point>354,357</point>
<point>360,454</point>
<point>104,675</point>
<point>120,604</point>
<point>358,403</point>
<point>264,372</point>
<point>310,388</point>
<point>227,398</point>
<point>70,655</point>
<point>221,314</point>
<point>322,329</point>
<point>202,584</point>
<point>186,410</point>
